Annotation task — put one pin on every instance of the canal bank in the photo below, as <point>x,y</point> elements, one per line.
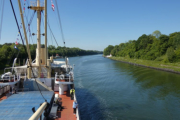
<point>158,65</point>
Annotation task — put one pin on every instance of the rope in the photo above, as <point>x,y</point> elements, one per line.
<point>25,47</point>
<point>60,23</point>
<point>51,31</point>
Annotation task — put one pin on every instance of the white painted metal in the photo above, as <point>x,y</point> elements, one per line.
<point>39,112</point>
<point>61,89</point>
<point>38,62</point>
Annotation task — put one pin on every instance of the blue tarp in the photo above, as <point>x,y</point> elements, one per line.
<point>19,106</point>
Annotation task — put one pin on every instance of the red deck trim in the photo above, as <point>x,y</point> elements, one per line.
<point>67,103</point>
<point>4,96</point>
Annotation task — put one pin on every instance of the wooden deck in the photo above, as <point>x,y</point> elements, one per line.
<point>67,111</point>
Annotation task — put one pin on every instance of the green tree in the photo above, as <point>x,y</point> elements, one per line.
<point>170,54</point>
<point>156,33</point>
<point>107,50</point>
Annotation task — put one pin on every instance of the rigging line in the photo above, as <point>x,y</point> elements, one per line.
<point>1,18</point>
<point>51,39</point>
<point>60,23</point>
<point>27,26</point>
<point>30,36</point>
<point>25,47</point>
<point>51,31</point>
<point>18,53</point>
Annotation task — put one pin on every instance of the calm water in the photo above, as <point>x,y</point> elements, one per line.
<point>111,90</point>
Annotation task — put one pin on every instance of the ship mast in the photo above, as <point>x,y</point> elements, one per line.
<point>38,54</point>
<point>45,27</point>
<point>22,20</point>
<point>39,51</point>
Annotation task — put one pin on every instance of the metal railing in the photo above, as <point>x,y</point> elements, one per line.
<point>4,89</point>
<point>33,3</point>
<point>39,112</point>
<point>77,110</point>
<point>62,77</point>
<point>12,78</point>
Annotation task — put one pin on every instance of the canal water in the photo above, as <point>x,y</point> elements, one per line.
<point>111,90</point>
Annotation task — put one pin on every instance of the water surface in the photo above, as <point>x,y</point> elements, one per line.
<point>111,90</point>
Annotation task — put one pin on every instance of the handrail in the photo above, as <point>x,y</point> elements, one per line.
<point>62,77</point>
<point>3,87</point>
<point>13,76</point>
<point>39,112</point>
<point>7,68</point>
<point>77,110</point>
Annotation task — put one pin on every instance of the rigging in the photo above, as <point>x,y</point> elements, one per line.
<point>60,23</point>
<point>25,48</point>
<point>51,31</point>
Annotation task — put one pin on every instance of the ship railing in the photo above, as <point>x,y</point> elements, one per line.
<point>34,4</point>
<point>39,112</point>
<point>62,77</point>
<point>12,78</point>
<point>77,110</point>
<point>35,72</point>
<point>43,74</point>
<point>4,89</point>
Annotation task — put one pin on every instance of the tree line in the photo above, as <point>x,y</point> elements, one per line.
<point>8,52</point>
<point>155,46</point>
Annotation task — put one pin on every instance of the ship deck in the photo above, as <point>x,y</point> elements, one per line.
<point>67,111</point>
<point>19,106</point>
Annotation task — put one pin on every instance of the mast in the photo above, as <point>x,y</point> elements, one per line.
<point>45,27</point>
<point>24,29</point>
<point>38,8</point>
<point>38,54</point>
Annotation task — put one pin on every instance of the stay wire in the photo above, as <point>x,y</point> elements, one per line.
<point>25,47</point>
<point>28,23</point>
<point>43,27</point>
<point>2,17</point>
<point>60,23</point>
<point>51,31</point>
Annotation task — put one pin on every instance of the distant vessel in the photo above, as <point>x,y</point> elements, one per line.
<point>36,85</point>
<point>109,55</point>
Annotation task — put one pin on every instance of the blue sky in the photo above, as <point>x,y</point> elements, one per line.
<point>95,24</point>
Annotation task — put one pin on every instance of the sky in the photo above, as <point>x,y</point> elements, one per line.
<point>95,24</point>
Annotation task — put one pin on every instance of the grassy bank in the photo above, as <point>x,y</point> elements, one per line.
<point>170,67</point>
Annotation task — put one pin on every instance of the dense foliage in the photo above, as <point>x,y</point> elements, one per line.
<point>155,46</point>
<point>8,52</point>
